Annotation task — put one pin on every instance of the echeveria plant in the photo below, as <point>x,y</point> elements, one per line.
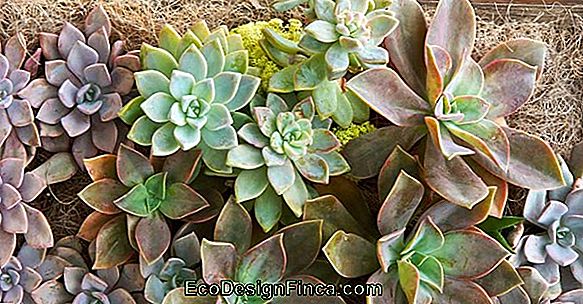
<point>559,213</point>
<point>282,147</point>
<point>20,276</point>
<point>457,105</point>
<point>164,276</point>
<point>17,189</point>
<point>19,136</point>
<point>86,81</point>
<point>132,197</point>
<point>189,87</point>
<point>429,264</point>
<point>69,280</point>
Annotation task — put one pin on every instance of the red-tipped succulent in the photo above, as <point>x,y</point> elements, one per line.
<point>87,80</point>
<point>438,93</point>
<point>133,197</point>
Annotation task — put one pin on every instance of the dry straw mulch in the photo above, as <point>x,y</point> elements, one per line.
<point>555,113</point>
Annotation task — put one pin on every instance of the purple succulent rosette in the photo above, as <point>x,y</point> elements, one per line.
<point>87,79</point>
<point>19,136</point>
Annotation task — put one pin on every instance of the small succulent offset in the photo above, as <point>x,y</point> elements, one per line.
<point>132,196</point>
<point>87,79</point>
<point>189,88</point>
<point>282,147</point>
<point>165,276</point>
<point>559,212</point>
<point>19,136</point>
<point>428,265</point>
<point>70,281</point>
<point>18,188</point>
<point>457,105</point>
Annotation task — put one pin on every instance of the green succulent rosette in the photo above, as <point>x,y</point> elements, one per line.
<point>190,85</point>
<point>279,150</point>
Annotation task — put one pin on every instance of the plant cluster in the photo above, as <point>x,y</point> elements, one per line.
<point>247,155</point>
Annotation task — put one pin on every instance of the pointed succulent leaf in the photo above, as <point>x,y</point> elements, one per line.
<point>234,226</point>
<point>153,237</point>
<point>154,58</point>
<point>266,262</point>
<point>400,204</point>
<point>219,261</point>
<point>529,51</point>
<point>112,244</point>
<point>268,209</point>
<point>181,201</point>
<point>342,247</point>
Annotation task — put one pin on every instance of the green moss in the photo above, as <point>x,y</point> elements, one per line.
<point>353,131</point>
<point>251,34</point>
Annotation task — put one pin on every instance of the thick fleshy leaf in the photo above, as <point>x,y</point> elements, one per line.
<point>453,179</point>
<point>427,238</point>
<point>281,177</point>
<point>182,201</point>
<point>400,204</point>
<point>181,166</point>
<point>164,142</point>
<point>214,54</point>
<point>101,194</point>
<point>334,214</point>
<point>469,79</point>
<point>91,225</point>
<point>157,107</point>
<point>454,29</point>
<point>181,84</point>
<point>460,244</point>
<point>143,130</point>
<point>463,291</point>
<point>221,139</point>
<point>14,220</point>
<point>509,95</point>
<point>389,248</point>
<point>8,240</point>
<point>219,261</point>
<point>39,234</point>
<point>153,237</point>
<point>399,160</point>
<point>154,58</point>
<point>310,73</point>
<point>538,171</point>
<point>193,62</point>
<point>251,183</point>
<point>268,209</point>
<point>302,243</point>
<point>530,51</point>
<point>234,226</point>
<point>51,292</point>
<point>442,139</point>
<point>76,123</point>
<point>442,213</point>
<point>384,91</point>
<point>266,262</point>
<point>245,157</point>
<point>150,82</point>
<point>132,167</point>
<point>112,246</point>
<point>341,249</point>
<point>501,280</point>
<point>366,154</point>
<point>296,195</point>
<point>313,168</point>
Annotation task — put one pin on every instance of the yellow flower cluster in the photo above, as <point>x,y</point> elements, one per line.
<point>353,131</point>
<point>251,34</point>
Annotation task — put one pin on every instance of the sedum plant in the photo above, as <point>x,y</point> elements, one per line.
<point>438,93</point>
<point>19,136</point>
<point>19,188</point>
<point>282,147</point>
<point>558,213</point>
<point>430,264</point>
<point>86,82</point>
<point>133,197</point>
<point>164,276</point>
<point>69,280</point>
<point>191,87</point>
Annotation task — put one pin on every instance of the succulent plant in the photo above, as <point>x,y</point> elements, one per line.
<point>456,105</point>
<point>536,290</point>
<point>68,279</point>
<point>165,276</point>
<point>133,196</point>
<point>430,264</point>
<point>19,136</point>
<point>17,188</point>
<point>343,37</point>
<point>281,148</point>
<point>190,87</point>
<point>19,276</point>
<point>285,255</point>
<point>87,80</point>
<point>558,212</point>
